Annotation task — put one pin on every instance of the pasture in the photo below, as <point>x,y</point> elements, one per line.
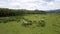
<point>13,25</point>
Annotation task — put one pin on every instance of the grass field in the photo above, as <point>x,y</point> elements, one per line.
<point>52,24</point>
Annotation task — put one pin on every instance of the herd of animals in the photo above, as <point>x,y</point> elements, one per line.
<point>27,22</point>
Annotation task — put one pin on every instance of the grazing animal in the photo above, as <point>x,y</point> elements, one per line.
<point>41,23</point>
<point>42,20</point>
<point>26,23</point>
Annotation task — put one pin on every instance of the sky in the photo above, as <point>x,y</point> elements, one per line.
<point>30,4</point>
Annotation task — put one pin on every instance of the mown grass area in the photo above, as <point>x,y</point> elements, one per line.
<point>13,25</point>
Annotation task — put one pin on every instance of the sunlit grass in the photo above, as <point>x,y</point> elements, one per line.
<point>14,27</point>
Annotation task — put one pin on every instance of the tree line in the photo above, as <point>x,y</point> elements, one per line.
<point>12,12</point>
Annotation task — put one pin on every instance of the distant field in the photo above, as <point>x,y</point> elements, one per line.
<point>14,25</point>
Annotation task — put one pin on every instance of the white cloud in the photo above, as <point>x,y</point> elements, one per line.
<point>31,4</point>
<point>3,4</point>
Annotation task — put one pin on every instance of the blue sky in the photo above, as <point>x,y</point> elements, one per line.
<point>30,4</point>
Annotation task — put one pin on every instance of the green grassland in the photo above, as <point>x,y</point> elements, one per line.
<point>13,24</point>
